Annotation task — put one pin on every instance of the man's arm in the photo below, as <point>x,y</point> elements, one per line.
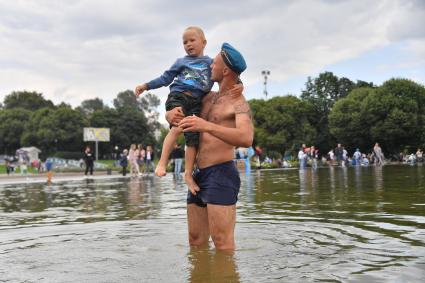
<point>241,135</point>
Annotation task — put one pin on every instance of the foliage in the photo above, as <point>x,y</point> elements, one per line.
<point>12,126</point>
<point>91,105</point>
<point>26,100</point>
<point>55,129</point>
<point>392,114</point>
<point>282,123</point>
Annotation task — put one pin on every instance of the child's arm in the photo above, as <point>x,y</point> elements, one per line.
<point>165,79</point>
<point>140,89</point>
<point>236,90</point>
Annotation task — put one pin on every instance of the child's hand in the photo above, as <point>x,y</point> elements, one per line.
<point>140,88</point>
<point>236,90</point>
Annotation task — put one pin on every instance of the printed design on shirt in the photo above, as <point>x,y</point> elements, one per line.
<point>196,75</point>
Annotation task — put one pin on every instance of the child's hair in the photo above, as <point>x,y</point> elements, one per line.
<point>198,30</point>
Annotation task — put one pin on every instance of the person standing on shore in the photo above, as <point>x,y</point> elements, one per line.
<point>88,160</point>
<point>124,162</point>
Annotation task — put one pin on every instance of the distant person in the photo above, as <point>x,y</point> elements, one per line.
<point>177,155</point>
<point>124,161</point>
<point>357,157</point>
<point>7,164</point>
<point>378,155</point>
<point>88,160</point>
<point>23,168</point>
<point>149,159</point>
<point>133,156</point>
<point>365,160</point>
<point>302,158</point>
<point>49,173</point>
<point>419,156</point>
<point>339,154</point>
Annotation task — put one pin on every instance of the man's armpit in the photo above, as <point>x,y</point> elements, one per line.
<point>243,108</point>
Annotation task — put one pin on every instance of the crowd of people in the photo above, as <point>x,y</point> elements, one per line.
<point>139,159</point>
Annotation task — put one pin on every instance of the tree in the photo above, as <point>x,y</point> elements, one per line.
<point>392,114</point>
<point>282,123</point>
<point>349,120</point>
<point>142,109</point>
<point>399,114</point>
<point>12,125</point>
<point>26,100</point>
<point>59,129</point>
<point>89,106</point>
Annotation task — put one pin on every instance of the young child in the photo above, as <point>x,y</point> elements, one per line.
<point>190,79</point>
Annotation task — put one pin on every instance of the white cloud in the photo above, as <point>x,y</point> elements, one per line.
<point>76,50</point>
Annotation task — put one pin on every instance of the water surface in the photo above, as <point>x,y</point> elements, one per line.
<point>331,225</point>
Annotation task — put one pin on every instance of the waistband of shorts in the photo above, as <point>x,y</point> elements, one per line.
<point>229,163</point>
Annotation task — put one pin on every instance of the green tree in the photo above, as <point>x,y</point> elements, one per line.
<point>138,118</point>
<point>59,129</point>
<point>12,125</point>
<point>321,93</point>
<point>398,119</point>
<point>89,106</point>
<point>282,123</point>
<point>27,100</point>
<point>392,114</point>
<point>349,120</point>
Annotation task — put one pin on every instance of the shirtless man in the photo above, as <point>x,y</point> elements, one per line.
<point>225,122</point>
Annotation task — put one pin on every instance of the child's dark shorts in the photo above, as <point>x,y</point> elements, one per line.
<point>191,106</point>
<point>219,184</point>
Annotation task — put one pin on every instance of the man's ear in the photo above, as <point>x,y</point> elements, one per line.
<point>226,71</point>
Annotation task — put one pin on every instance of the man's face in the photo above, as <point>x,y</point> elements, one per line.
<point>217,67</point>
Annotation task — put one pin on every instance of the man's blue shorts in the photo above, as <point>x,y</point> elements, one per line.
<point>219,184</point>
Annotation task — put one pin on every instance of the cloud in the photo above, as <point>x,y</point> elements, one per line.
<point>76,50</point>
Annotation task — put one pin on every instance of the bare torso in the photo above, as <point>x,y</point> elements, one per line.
<point>218,110</point>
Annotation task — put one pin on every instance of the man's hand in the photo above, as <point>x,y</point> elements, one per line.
<point>140,88</point>
<point>174,116</point>
<point>194,124</point>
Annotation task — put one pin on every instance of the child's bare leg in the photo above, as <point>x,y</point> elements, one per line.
<point>167,147</point>
<point>190,157</point>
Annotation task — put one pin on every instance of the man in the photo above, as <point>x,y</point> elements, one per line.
<point>225,122</point>
<point>339,154</point>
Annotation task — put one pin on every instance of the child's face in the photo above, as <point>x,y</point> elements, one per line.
<point>193,43</point>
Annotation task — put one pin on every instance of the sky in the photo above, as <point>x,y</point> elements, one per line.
<point>71,51</point>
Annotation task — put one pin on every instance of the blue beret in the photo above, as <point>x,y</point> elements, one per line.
<point>233,58</point>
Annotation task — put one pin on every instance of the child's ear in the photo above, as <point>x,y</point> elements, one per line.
<point>205,42</point>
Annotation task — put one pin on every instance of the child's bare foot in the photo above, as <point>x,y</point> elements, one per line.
<point>160,171</point>
<point>193,187</point>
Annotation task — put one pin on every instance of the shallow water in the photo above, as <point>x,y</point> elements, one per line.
<point>331,225</point>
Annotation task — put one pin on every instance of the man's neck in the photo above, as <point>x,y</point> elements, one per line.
<point>226,84</point>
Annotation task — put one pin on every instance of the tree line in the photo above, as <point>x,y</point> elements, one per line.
<point>28,119</point>
<point>333,110</point>
<point>328,111</point>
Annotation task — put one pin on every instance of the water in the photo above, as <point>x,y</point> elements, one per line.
<point>332,225</point>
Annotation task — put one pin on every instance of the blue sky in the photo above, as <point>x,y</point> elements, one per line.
<point>76,50</point>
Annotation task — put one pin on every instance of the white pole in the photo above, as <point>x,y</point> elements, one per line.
<point>96,149</point>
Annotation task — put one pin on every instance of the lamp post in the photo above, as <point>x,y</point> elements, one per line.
<point>265,73</point>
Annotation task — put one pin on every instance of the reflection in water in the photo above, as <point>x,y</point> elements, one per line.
<point>357,177</point>
<point>212,266</point>
<point>355,224</point>
<point>345,177</point>
<point>379,179</point>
